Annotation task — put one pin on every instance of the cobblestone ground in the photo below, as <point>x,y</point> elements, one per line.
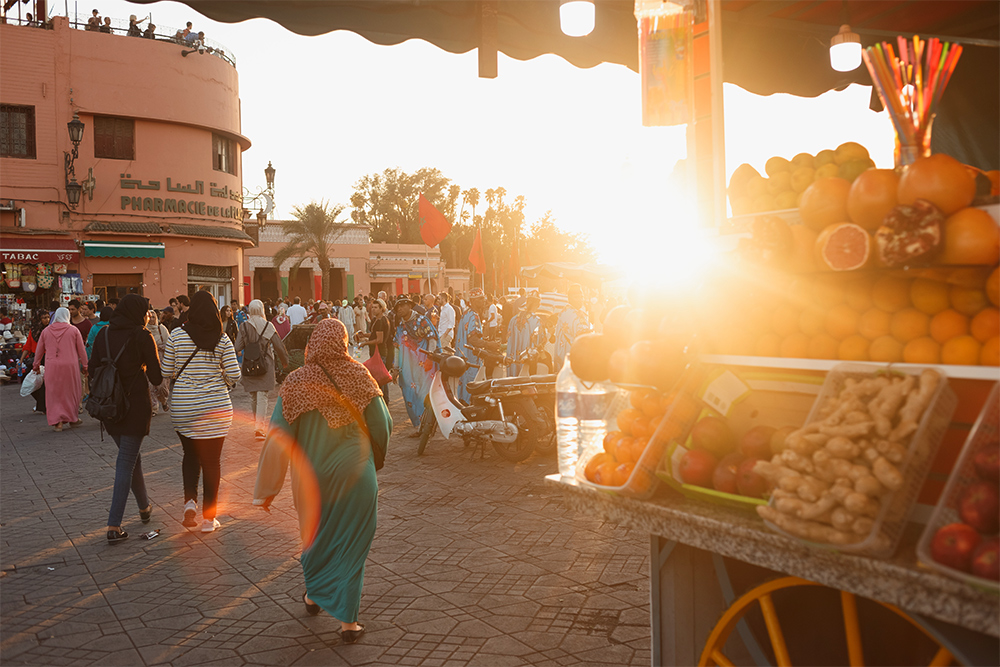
<point>474,562</point>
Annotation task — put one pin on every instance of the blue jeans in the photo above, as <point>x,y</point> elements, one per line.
<point>128,474</point>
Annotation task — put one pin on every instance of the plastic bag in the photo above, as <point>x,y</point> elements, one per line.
<point>377,369</point>
<point>32,381</point>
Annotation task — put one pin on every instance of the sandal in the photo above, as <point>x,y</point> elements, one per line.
<point>352,636</point>
<point>78,422</point>
<point>146,513</point>
<point>57,427</point>
<point>311,607</point>
<point>115,536</point>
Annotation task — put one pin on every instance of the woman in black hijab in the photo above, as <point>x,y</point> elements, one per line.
<point>127,334</point>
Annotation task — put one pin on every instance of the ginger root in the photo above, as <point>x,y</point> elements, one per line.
<point>808,530</point>
<point>888,474</point>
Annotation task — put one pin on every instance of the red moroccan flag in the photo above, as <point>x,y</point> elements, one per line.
<point>476,256</point>
<point>433,226</point>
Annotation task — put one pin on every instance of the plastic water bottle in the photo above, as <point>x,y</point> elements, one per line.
<point>580,411</point>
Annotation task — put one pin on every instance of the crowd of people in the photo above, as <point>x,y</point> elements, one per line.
<point>331,417</point>
<point>185,37</point>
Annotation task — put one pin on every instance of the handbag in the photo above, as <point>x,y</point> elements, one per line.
<point>377,451</point>
<point>377,368</point>
<point>177,377</point>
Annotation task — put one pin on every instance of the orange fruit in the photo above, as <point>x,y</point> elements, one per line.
<point>886,349</point>
<point>841,321</point>
<point>611,441</point>
<point>993,287</point>
<point>948,324</point>
<point>595,462</point>
<point>994,176</point>
<point>822,347</point>
<point>940,179</point>
<point>990,354</point>
<point>985,325</point>
<point>795,345</point>
<point>626,418</point>
<point>961,351</point>
<point>874,323</point>
<point>825,202</point>
<point>785,320</point>
<point>923,350</point>
<point>768,345</point>
<point>811,320</point>
<point>853,348</point>
<point>871,197</point>
<point>970,237</point>
<point>858,294</point>
<point>909,324</point>
<point>826,293</point>
<point>843,246</point>
<point>802,258</point>
<point>605,474</point>
<point>929,296</point>
<point>891,294</point>
<point>636,397</point>
<point>967,301</point>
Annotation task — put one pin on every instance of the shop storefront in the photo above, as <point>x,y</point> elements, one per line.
<point>38,271</point>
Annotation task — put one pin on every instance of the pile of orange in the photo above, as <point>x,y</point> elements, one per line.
<point>869,317</point>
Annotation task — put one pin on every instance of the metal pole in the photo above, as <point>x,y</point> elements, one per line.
<point>427,261</point>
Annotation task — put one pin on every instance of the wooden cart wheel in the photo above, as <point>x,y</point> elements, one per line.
<point>712,654</point>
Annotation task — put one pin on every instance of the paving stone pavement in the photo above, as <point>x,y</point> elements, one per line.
<point>475,562</point>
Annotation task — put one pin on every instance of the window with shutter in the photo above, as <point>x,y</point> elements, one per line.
<point>17,131</point>
<point>223,154</point>
<point>114,138</point>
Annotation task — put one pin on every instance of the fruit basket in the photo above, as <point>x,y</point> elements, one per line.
<point>913,460</point>
<point>967,473</point>
<point>629,470</point>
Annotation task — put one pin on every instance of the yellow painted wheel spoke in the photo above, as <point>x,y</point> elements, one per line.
<point>774,631</point>
<point>721,660</point>
<point>941,658</point>
<point>852,631</point>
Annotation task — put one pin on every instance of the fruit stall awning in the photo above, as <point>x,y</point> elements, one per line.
<point>590,274</point>
<point>769,46</point>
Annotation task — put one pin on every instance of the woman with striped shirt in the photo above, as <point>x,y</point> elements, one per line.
<point>202,361</point>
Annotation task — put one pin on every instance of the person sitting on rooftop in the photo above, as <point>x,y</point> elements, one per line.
<point>186,32</point>
<point>133,26</point>
<point>149,32</point>
<point>94,22</point>
<point>179,36</point>
<point>107,26</point>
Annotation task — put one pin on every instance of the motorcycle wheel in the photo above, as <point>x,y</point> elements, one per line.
<point>545,444</point>
<point>522,447</point>
<point>427,426</point>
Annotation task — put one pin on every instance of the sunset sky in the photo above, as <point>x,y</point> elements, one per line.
<point>326,110</point>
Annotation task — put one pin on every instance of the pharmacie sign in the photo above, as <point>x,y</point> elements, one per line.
<point>180,198</point>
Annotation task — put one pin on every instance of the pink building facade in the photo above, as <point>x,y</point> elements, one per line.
<point>160,161</point>
<point>412,268</point>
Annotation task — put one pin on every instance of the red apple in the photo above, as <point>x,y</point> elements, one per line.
<point>986,559</point>
<point>713,435</point>
<point>953,545</point>
<point>756,443</point>
<point>980,507</point>
<point>750,483</point>
<point>987,462</point>
<point>696,467</point>
<point>724,478</point>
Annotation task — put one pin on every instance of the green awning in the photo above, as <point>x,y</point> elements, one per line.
<point>122,249</point>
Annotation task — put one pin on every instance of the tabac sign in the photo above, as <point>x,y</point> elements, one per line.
<point>181,199</point>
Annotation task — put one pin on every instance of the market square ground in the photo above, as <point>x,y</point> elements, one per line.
<point>475,562</point>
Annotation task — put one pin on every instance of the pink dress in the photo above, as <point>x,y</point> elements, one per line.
<point>65,353</point>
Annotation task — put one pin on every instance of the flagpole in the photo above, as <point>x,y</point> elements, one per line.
<point>427,261</point>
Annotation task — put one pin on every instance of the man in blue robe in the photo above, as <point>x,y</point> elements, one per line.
<point>470,331</point>
<point>523,333</point>
<point>571,323</point>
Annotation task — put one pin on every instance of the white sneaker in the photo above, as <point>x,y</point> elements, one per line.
<point>209,525</point>
<point>190,511</point>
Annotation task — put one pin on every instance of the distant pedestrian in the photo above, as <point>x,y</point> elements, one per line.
<point>94,22</point>
<point>167,317</point>
<point>127,341</point>
<point>39,321</point>
<point>133,26</point>
<point>297,314</point>
<point>379,339</point>
<point>102,322</point>
<point>281,322</point>
<point>258,330</point>
<point>202,361</point>
<point>62,347</point>
<point>330,413</point>
<point>345,313</point>
<point>107,26</point>
<point>149,32</point>
<point>229,326</point>
<point>158,395</point>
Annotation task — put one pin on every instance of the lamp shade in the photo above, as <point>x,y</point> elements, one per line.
<point>576,17</point>
<point>75,127</point>
<point>845,50</point>
<point>73,192</point>
<point>269,174</point>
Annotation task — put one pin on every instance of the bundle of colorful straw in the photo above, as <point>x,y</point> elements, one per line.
<point>911,84</point>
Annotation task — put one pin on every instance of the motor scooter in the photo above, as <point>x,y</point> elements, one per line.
<point>500,412</point>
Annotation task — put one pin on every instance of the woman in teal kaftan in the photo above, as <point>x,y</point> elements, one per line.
<point>332,425</point>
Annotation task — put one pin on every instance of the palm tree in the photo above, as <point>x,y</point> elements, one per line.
<point>313,232</point>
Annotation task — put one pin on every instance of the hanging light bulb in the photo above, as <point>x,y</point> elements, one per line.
<point>845,50</point>
<point>576,17</point>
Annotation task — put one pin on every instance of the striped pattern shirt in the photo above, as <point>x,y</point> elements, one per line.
<point>199,403</point>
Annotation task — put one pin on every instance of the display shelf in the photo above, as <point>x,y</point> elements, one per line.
<point>990,373</point>
<point>736,534</point>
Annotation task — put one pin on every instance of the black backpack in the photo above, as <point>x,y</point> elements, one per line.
<point>108,401</point>
<point>254,364</point>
